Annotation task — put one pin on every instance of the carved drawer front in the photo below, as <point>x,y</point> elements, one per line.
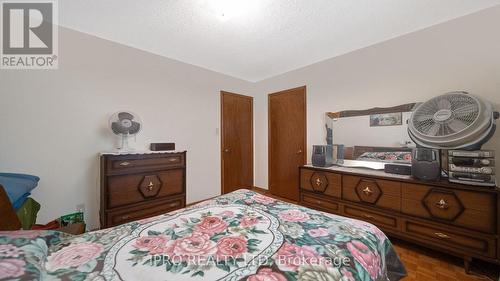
<point>135,188</point>
<point>321,182</point>
<point>380,193</point>
<point>378,219</point>
<point>317,202</point>
<point>448,238</point>
<point>470,209</point>
<point>143,211</point>
<point>123,164</point>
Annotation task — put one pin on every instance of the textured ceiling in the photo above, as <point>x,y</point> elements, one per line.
<point>257,39</point>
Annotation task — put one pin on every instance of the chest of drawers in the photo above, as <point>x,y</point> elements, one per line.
<point>456,219</point>
<point>137,186</point>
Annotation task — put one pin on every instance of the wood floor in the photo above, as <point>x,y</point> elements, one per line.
<point>425,265</point>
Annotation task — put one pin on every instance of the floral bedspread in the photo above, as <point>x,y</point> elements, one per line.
<point>239,236</point>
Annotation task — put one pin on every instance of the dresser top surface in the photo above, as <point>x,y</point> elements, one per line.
<point>363,171</point>
<point>140,152</point>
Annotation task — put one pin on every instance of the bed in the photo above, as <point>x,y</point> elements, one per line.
<point>242,235</point>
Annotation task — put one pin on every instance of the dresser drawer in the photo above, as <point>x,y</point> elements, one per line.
<point>474,210</point>
<point>143,211</point>
<point>316,202</point>
<point>135,188</point>
<point>378,219</point>
<point>131,163</point>
<point>380,193</point>
<point>446,237</point>
<point>321,182</point>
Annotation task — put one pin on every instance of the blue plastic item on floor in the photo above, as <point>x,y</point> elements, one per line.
<point>18,186</point>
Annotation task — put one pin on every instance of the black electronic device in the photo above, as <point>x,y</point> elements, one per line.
<point>164,146</point>
<point>472,167</point>
<point>398,169</point>
<point>425,164</point>
<point>322,155</point>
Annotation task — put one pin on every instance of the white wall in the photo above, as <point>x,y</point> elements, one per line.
<point>463,54</point>
<point>54,123</point>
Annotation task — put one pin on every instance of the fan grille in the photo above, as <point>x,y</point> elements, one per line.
<point>446,115</point>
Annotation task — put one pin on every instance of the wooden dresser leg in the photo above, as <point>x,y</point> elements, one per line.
<point>467,263</point>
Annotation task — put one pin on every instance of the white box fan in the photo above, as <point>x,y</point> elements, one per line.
<point>455,120</point>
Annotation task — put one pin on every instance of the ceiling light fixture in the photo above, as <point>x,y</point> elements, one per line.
<point>228,9</point>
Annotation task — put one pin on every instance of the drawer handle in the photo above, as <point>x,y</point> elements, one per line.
<point>442,235</point>
<point>150,186</point>
<point>124,164</point>
<point>173,160</point>
<point>318,202</point>
<point>125,217</point>
<point>319,182</point>
<point>368,216</point>
<point>367,191</point>
<point>173,204</point>
<point>442,204</point>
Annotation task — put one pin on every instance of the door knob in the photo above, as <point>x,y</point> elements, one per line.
<point>299,151</point>
<point>227,150</point>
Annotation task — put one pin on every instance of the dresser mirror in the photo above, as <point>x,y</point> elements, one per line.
<point>376,135</point>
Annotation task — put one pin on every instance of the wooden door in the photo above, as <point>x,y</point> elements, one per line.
<point>236,142</point>
<point>287,141</point>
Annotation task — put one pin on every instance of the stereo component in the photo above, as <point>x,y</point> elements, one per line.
<point>472,154</point>
<point>472,167</point>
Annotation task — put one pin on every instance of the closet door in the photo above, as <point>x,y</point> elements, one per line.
<point>287,141</point>
<point>236,141</point>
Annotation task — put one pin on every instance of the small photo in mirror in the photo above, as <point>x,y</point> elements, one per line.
<point>387,119</point>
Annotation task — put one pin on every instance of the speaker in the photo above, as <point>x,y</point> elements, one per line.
<point>322,155</point>
<point>165,146</point>
<point>398,169</point>
<point>425,164</point>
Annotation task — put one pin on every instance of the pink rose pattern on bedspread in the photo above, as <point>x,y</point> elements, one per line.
<point>310,245</point>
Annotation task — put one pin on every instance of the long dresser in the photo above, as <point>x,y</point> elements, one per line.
<point>457,219</point>
<point>141,185</point>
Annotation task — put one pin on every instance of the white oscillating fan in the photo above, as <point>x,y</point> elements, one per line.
<point>125,124</point>
<point>454,120</point>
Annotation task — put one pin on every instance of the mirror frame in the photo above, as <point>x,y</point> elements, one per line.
<point>409,107</point>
